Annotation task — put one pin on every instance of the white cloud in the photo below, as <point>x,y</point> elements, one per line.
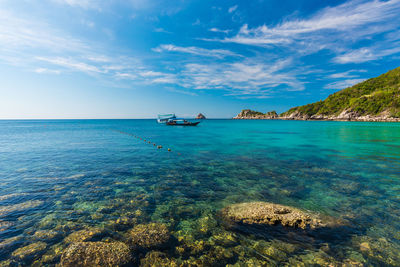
<point>72,64</point>
<point>17,34</point>
<point>161,30</point>
<point>247,78</point>
<point>44,70</point>
<point>219,30</point>
<point>196,23</point>
<point>218,53</point>
<point>336,28</point>
<point>232,8</point>
<point>343,84</point>
<point>347,74</point>
<point>79,3</point>
<point>129,76</point>
<point>366,54</point>
<point>191,93</point>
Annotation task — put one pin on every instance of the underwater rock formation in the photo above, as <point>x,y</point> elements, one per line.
<point>96,254</point>
<point>152,235</point>
<point>20,207</point>
<point>83,235</point>
<point>265,213</point>
<point>46,234</point>
<point>4,225</point>
<point>379,249</point>
<point>29,250</point>
<point>157,258</point>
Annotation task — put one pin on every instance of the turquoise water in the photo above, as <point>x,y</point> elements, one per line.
<point>61,176</point>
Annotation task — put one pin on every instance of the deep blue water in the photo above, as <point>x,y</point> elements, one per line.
<point>68,175</point>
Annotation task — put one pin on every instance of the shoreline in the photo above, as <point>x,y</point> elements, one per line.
<point>336,119</point>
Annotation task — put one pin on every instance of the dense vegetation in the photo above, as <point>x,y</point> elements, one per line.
<point>252,113</point>
<point>271,113</point>
<point>371,97</point>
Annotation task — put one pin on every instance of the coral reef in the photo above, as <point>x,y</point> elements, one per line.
<point>152,235</point>
<point>265,213</point>
<point>96,254</point>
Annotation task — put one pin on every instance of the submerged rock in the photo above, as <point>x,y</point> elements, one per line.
<point>157,258</point>
<point>265,213</point>
<point>96,254</point>
<point>10,242</point>
<point>52,255</point>
<point>46,234</point>
<point>20,206</point>
<point>4,225</point>
<point>314,258</point>
<point>206,224</point>
<point>83,235</point>
<point>150,235</point>
<point>224,238</point>
<point>379,249</point>
<point>29,250</point>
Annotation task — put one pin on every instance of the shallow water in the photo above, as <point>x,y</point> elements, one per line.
<point>59,177</point>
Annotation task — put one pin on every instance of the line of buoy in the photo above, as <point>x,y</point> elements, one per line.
<point>146,141</point>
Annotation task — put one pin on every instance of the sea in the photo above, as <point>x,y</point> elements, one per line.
<point>66,181</point>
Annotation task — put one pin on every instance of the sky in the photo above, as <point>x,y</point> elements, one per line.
<point>139,58</point>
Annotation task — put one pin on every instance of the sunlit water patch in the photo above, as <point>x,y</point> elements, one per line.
<point>71,190</point>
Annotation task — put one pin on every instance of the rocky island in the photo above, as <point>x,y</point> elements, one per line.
<point>248,114</point>
<point>376,99</point>
<point>200,117</point>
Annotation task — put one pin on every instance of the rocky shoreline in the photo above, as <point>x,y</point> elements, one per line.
<point>344,116</point>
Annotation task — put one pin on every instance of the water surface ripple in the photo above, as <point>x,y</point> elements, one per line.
<point>65,181</point>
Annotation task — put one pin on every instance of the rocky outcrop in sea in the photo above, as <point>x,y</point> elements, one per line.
<point>248,114</point>
<point>266,213</point>
<point>200,117</point>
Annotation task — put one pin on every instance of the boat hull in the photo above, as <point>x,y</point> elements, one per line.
<point>182,124</point>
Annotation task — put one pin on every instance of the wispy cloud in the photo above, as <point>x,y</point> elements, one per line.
<point>44,70</point>
<point>184,92</point>
<point>347,74</point>
<point>79,3</point>
<point>219,30</point>
<point>232,8</point>
<point>343,84</point>
<point>17,34</point>
<point>218,53</point>
<point>248,77</point>
<point>42,48</point>
<point>335,28</point>
<point>161,30</point>
<point>342,18</point>
<point>367,54</point>
<point>72,64</point>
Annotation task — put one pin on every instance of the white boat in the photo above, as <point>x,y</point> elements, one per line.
<point>163,118</point>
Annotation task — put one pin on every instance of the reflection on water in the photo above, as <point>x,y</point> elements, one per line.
<point>76,189</point>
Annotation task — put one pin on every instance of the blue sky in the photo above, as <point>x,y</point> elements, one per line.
<point>138,58</point>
